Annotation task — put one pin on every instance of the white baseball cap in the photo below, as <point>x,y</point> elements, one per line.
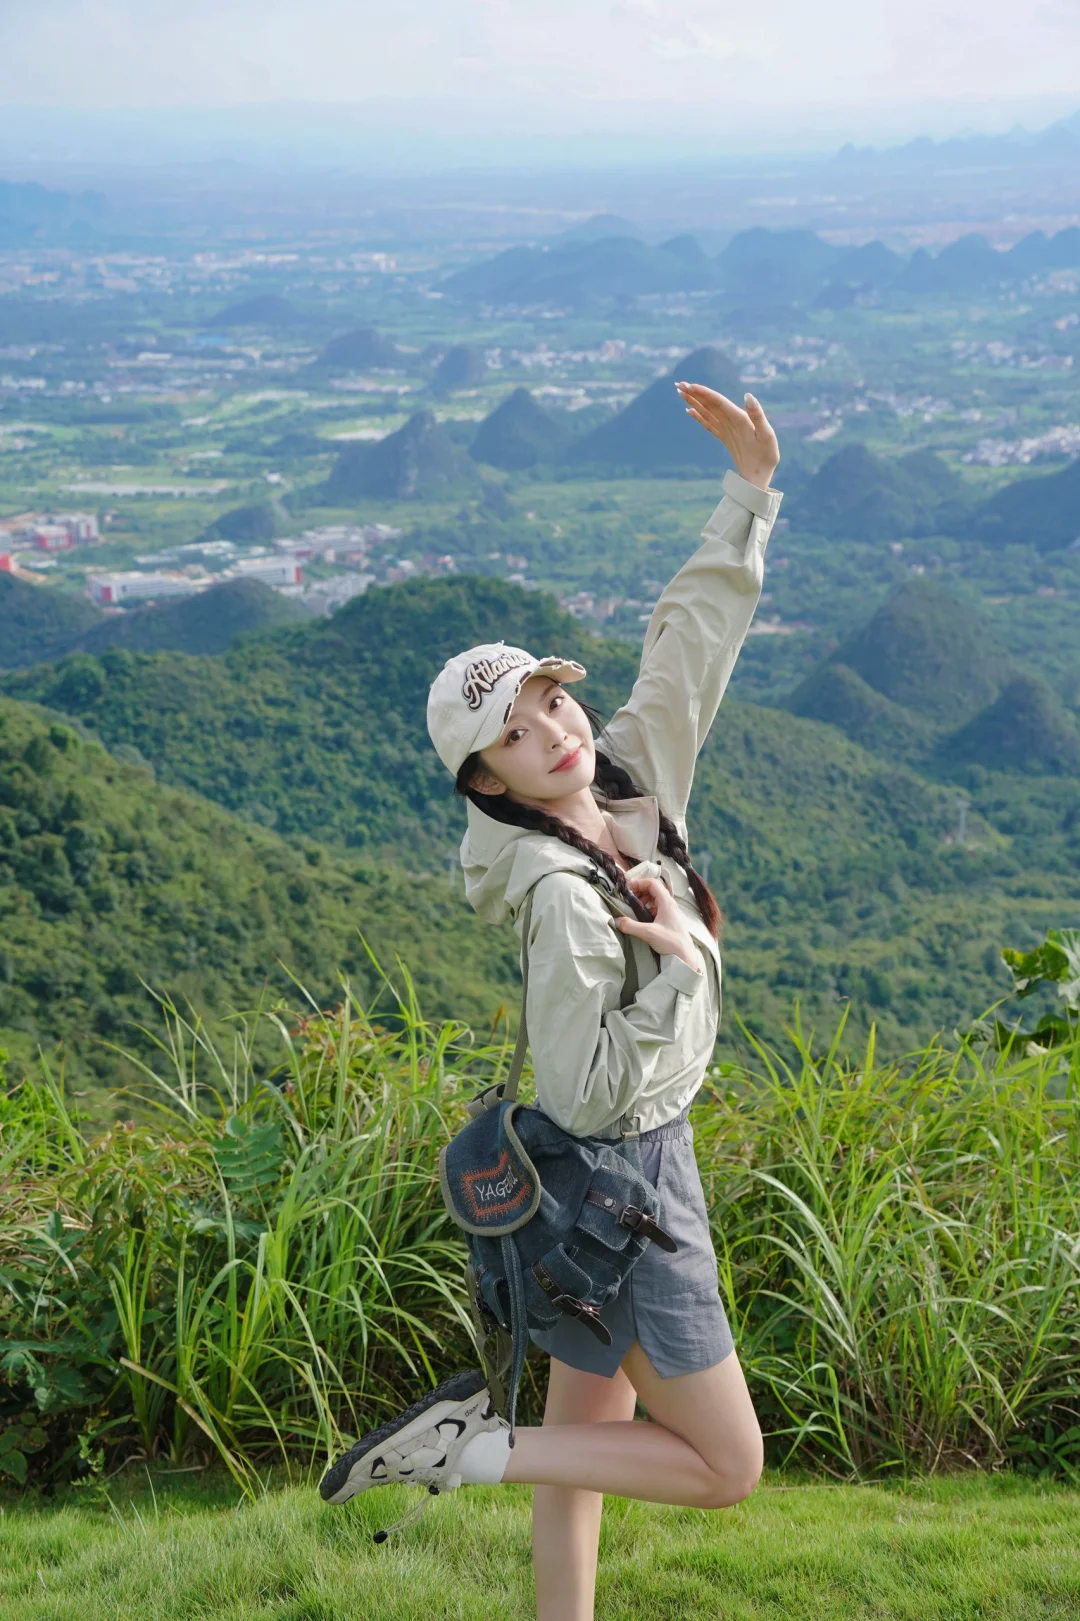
<point>471,698</point>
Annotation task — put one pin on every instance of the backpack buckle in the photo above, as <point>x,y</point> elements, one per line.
<point>639,1221</point>
<point>588,1316</point>
<point>570,1304</point>
<point>489,1098</point>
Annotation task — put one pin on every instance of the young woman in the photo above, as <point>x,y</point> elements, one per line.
<point>547,803</point>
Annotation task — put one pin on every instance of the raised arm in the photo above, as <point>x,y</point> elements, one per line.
<point>701,619</point>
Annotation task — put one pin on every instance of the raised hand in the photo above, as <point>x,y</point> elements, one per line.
<point>667,933</point>
<point>747,434</point>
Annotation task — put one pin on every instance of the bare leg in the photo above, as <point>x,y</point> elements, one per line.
<point>566,1519</point>
<point>703,1448</point>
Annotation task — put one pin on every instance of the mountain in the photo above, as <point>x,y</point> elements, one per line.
<point>249,525</point>
<point>39,622</point>
<point>962,266</point>
<point>208,622</point>
<point>30,213</point>
<point>460,367</point>
<point>1039,509</point>
<point>265,309</point>
<point>758,269</point>
<point>1026,728</point>
<point>653,434</point>
<point>108,878</point>
<point>775,267</point>
<point>419,459</point>
<point>604,268</point>
<point>924,650</point>
<point>835,694</point>
<point>518,434</point>
<point>856,495</point>
<point>361,348</point>
<point>829,861</point>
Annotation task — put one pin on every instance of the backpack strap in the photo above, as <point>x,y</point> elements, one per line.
<point>631,985</point>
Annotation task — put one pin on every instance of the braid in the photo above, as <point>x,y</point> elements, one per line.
<point>614,783</point>
<point>504,809</point>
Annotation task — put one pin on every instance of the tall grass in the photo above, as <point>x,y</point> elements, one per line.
<point>257,1264</point>
<point>900,1246</point>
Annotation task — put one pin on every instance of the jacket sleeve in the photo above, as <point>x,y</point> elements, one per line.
<point>693,639</point>
<point>591,1059</point>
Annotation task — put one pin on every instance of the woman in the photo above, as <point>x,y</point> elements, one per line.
<point>545,805</point>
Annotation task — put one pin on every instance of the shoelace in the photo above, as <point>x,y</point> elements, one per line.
<point>406,1519</point>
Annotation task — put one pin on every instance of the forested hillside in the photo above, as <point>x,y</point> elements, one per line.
<point>837,866</point>
<point>108,879</point>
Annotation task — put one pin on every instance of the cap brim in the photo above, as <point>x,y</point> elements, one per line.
<point>561,670</point>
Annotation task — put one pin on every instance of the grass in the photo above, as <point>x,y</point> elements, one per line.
<point>970,1548</point>
<point>262,1270</point>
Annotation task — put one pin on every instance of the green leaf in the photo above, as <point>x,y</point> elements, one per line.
<point>1056,962</point>
<point>14,1464</point>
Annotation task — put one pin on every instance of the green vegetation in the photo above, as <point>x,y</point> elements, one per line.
<point>856,493</point>
<point>38,624</point>
<point>263,1264</point>
<point>837,867</point>
<point>1034,512</point>
<point>419,459</point>
<point>359,348</point>
<point>109,880</point>
<point>175,1548</point>
<point>518,434</point>
<point>43,625</point>
<point>207,623</point>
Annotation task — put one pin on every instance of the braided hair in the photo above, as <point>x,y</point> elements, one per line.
<point>614,783</point>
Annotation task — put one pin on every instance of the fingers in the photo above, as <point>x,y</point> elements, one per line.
<point>647,886</point>
<point>754,412</point>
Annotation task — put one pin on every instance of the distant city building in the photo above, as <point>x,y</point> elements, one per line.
<point>276,571</point>
<point>59,531</point>
<point>116,589</point>
<point>326,596</point>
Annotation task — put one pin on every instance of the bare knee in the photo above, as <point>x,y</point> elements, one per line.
<point>732,1479</point>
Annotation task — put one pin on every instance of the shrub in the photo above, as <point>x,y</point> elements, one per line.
<point>257,1265</point>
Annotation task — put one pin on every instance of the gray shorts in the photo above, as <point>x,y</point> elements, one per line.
<point>670,1304</point>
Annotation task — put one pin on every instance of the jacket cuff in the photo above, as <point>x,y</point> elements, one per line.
<point>680,975</point>
<point>762,503</point>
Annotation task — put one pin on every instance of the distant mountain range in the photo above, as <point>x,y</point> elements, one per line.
<point>757,268</point>
<point>1058,142</point>
<point>31,213</point>
<point>853,494</point>
<point>927,680</point>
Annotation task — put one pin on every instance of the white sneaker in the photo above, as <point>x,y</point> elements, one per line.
<point>420,1447</point>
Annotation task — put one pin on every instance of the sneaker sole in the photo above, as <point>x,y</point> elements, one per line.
<point>337,1481</point>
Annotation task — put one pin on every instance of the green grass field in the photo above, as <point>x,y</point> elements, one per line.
<point>960,1548</point>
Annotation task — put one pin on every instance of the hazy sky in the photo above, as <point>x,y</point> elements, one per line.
<point>786,63</point>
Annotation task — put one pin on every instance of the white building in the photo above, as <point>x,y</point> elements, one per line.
<point>114,589</point>
<point>326,596</point>
<point>276,571</point>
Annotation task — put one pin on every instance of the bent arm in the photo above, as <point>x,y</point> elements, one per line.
<point>692,642</point>
<point>591,1059</point>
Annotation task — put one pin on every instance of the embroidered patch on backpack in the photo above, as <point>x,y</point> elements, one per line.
<point>496,1192</point>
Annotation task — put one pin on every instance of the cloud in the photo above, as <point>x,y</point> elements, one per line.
<point>567,55</point>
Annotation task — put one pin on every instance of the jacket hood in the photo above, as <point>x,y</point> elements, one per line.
<point>502,863</point>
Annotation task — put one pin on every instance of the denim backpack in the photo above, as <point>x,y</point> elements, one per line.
<point>553,1222</point>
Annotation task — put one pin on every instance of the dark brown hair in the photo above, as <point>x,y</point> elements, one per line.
<point>613,783</point>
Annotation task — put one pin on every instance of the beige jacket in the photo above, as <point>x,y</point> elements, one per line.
<point>598,1069</point>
